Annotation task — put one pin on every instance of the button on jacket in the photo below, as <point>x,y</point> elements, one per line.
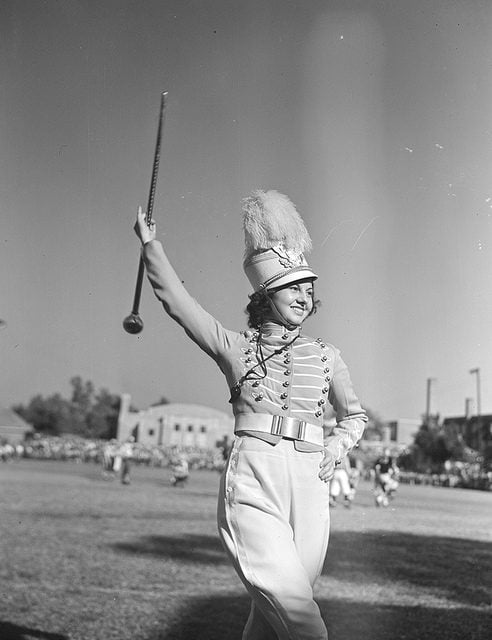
<point>302,377</point>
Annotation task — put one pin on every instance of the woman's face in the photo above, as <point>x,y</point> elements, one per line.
<point>293,303</point>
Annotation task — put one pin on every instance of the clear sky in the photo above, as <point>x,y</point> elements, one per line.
<point>374,116</point>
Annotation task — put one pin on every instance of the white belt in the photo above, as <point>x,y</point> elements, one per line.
<point>280,426</point>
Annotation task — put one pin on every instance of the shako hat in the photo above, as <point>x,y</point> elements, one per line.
<point>275,241</point>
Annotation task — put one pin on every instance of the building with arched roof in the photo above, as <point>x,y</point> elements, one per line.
<point>174,424</point>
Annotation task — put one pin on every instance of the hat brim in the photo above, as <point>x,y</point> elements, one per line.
<point>294,275</point>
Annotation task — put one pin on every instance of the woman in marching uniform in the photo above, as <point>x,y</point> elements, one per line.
<point>273,507</point>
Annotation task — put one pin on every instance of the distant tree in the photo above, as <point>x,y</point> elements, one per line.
<point>51,415</point>
<point>439,452</point>
<point>487,456</point>
<point>81,404</point>
<point>430,450</point>
<point>102,420</point>
<point>163,400</point>
<point>88,413</point>
<point>455,443</point>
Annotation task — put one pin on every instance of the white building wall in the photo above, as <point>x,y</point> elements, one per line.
<point>174,424</point>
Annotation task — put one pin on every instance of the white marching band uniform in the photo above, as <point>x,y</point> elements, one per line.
<point>273,509</point>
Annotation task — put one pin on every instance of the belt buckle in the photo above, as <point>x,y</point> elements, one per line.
<point>288,427</point>
<point>276,428</point>
<point>301,430</point>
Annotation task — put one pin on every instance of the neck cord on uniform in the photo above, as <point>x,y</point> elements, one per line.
<point>253,374</point>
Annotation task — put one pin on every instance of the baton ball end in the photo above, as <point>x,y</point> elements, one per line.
<point>133,323</point>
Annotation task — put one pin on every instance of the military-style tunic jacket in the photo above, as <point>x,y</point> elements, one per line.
<point>300,377</point>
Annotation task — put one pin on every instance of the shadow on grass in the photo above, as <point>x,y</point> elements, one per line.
<point>215,618</point>
<point>9,631</point>
<point>455,568</point>
<point>191,548</point>
<point>223,619</point>
<point>450,569</point>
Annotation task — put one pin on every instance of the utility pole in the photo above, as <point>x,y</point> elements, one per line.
<point>428,400</point>
<point>476,371</point>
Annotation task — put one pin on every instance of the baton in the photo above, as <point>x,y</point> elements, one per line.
<point>134,323</point>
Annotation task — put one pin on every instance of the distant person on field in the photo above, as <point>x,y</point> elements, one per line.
<point>108,457</point>
<point>385,478</point>
<point>180,471</point>
<point>355,473</point>
<point>126,454</point>
<point>340,484</point>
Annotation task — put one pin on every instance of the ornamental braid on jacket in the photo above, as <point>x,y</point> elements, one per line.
<point>305,378</point>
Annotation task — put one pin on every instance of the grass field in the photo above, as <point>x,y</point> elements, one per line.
<point>84,558</point>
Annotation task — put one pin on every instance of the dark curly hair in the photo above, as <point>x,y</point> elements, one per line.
<point>259,309</point>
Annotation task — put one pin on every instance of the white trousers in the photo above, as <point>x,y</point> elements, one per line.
<point>273,519</point>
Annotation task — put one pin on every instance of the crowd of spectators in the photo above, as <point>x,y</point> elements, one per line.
<point>9,451</point>
<point>41,447</point>
<point>81,450</point>
<point>462,475</point>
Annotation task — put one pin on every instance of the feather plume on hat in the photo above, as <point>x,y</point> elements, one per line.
<point>271,219</point>
<point>275,241</point>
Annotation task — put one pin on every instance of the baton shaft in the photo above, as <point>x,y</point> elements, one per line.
<point>157,158</point>
<point>133,323</point>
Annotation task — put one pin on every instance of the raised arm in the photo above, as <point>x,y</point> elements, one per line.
<point>199,325</point>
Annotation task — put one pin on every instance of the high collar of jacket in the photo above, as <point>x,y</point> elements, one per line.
<point>277,334</point>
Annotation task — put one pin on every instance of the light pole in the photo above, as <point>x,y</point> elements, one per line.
<point>428,400</point>
<point>476,371</point>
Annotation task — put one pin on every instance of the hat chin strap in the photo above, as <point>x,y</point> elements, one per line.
<point>279,316</point>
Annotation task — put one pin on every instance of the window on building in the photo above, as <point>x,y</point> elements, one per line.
<point>203,429</point>
<point>177,427</point>
<point>190,427</point>
<point>151,432</point>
